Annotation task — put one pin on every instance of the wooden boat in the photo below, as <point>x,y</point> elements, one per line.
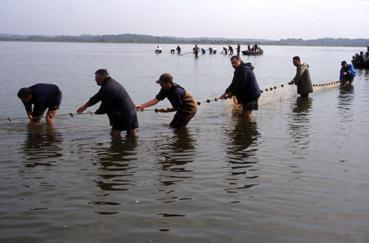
<point>253,53</point>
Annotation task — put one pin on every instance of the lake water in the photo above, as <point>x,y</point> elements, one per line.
<point>298,172</point>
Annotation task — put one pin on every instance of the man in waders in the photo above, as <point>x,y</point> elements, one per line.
<point>183,103</point>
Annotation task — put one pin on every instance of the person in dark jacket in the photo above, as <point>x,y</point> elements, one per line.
<point>178,49</point>
<point>347,73</point>
<point>115,102</point>
<point>42,96</point>
<point>182,101</point>
<point>302,78</point>
<point>244,86</point>
<point>230,50</point>
<point>195,50</point>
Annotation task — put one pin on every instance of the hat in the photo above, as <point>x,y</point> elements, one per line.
<point>165,77</point>
<point>343,62</point>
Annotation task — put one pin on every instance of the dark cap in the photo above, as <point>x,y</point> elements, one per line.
<point>165,77</point>
<point>343,62</point>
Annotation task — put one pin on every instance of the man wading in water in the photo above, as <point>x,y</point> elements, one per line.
<point>115,102</point>
<point>244,86</point>
<point>302,78</point>
<point>182,102</point>
<point>42,97</point>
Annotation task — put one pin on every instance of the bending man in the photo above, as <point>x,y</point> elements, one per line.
<point>347,73</point>
<point>115,102</point>
<point>42,97</point>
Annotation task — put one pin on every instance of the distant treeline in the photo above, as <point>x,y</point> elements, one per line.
<point>133,38</point>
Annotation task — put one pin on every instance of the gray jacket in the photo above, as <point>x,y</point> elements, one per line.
<point>302,79</point>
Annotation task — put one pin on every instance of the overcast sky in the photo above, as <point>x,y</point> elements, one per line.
<point>267,19</point>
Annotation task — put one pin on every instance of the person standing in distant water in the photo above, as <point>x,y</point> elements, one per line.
<point>230,50</point>
<point>115,102</point>
<point>196,50</point>
<point>244,86</point>
<point>178,49</point>
<point>302,78</point>
<point>182,101</point>
<point>42,96</point>
<point>158,50</point>
<point>238,49</point>
<point>225,51</point>
<point>347,73</point>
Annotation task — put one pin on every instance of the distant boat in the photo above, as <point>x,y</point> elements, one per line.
<point>253,53</point>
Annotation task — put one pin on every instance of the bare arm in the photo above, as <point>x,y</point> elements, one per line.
<point>82,108</point>
<point>225,96</point>
<point>147,104</point>
<point>167,110</point>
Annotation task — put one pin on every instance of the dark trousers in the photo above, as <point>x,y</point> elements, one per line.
<point>181,119</point>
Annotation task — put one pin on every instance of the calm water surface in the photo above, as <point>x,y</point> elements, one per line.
<point>298,172</point>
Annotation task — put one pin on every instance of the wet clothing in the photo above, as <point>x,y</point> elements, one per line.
<point>181,100</point>
<point>249,106</point>
<point>181,119</point>
<point>116,103</point>
<point>350,74</point>
<point>245,87</point>
<point>44,96</point>
<point>302,80</point>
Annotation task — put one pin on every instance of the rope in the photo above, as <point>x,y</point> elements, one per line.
<point>316,87</point>
<point>39,117</point>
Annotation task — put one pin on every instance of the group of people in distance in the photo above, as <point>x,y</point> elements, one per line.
<point>121,111</point>
<point>361,60</point>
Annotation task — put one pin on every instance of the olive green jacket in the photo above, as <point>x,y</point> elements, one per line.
<point>302,79</point>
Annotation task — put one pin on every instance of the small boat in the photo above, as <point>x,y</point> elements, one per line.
<point>253,53</point>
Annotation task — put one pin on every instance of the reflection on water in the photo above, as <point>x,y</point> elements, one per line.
<point>299,126</point>
<point>241,143</point>
<point>345,110</point>
<point>115,169</point>
<point>345,100</point>
<point>176,152</point>
<point>115,165</point>
<point>42,146</point>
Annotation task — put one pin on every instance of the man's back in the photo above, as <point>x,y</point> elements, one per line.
<point>114,98</point>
